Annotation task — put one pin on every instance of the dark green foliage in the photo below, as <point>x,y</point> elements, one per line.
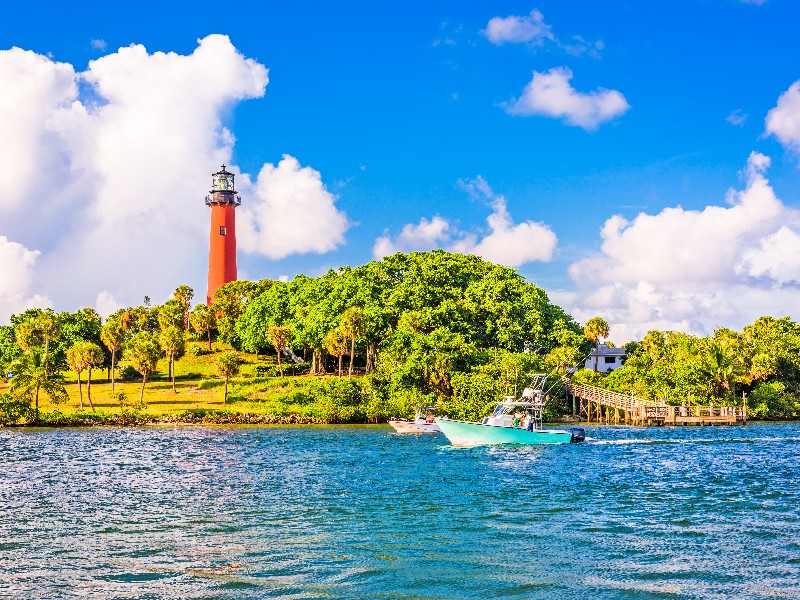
<point>14,409</point>
<point>762,363</point>
<point>9,349</point>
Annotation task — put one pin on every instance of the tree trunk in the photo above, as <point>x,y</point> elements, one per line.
<point>280,366</point>
<point>596,353</point>
<point>80,390</point>
<point>340,364</point>
<point>352,356</point>
<point>141,394</point>
<point>225,394</point>
<point>89,389</point>
<point>172,368</point>
<point>113,361</point>
<point>317,362</point>
<point>371,351</point>
<point>209,339</point>
<point>36,414</point>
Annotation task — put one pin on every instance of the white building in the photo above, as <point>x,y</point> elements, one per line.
<point>608,360</point>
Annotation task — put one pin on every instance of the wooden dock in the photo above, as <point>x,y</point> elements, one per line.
<point>599,405</point>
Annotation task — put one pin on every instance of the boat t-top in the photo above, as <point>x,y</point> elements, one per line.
<point>513,421</point>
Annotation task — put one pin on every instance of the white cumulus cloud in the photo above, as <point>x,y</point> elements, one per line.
<point>17,266</point>
<point>111,166</point>
<point>783,121</point>
<point>291,212</point>
<point>516,29</point>
<point>502,241</point>
<point>427,235</point>
<point>693,270</point>
<point>550,94</point>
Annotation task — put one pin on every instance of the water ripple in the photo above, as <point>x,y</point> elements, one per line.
<point>357,512</point>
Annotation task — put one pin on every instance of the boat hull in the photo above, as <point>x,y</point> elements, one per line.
<point>465,433</point>
<point>414,427</point>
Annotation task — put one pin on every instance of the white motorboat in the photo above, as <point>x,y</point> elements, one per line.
<point>423,422</point>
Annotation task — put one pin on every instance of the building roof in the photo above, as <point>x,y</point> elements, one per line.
<point>606,351</point>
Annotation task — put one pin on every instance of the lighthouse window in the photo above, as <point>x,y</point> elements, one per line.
<point>222,230</point>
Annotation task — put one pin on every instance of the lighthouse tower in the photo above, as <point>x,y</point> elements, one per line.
<point>222,249</point>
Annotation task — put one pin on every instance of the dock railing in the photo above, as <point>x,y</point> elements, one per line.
<point>599,402</point>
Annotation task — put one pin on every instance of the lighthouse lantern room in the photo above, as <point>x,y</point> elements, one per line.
<point>222,248</point>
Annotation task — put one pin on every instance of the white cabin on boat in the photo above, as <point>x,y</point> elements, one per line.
<point>608,359</point>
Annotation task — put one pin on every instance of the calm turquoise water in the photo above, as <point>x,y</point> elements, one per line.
<point>360,512</point>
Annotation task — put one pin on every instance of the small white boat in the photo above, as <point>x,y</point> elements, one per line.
<point>423,422</point>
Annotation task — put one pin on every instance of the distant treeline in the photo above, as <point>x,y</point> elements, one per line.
<point>431,328</point>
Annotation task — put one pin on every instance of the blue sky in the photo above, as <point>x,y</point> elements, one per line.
<point>407,113</point>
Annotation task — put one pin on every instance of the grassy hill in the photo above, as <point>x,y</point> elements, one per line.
<point>198,392</point>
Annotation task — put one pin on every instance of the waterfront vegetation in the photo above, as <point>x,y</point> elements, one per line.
<point>412,329</point>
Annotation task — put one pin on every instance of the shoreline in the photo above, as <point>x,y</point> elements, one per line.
<point>205,419</point>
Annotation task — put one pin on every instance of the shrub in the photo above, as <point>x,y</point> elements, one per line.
<point>128,373</point>
<point>13,409</point>
<point>338,400</point>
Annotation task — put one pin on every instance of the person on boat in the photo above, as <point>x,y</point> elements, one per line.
<point>429,418</point>
<point>526,423</point>
<point>515,421</point>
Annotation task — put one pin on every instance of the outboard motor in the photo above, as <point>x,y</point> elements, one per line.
<point>578,434</point>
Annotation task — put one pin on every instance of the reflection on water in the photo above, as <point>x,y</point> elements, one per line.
<point>360,512</point>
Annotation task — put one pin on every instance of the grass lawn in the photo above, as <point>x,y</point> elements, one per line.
<point>197,386</point>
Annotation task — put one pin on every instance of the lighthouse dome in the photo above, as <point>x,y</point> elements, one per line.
<point>222,181</point>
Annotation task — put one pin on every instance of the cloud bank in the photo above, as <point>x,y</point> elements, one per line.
<point>693,270</point>
<point>502,241</point>
<point>292,213</point>
<point>783,121</point>
<point>111,166</point>
<point>550,94</point>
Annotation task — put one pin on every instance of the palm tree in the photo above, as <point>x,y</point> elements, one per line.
<point>172,342</point>
<point>49,325</point>
<point>352,324</point>
<point>184,294</point>
<point>112,335</point>
<point>227,365</point>
<point>31,376</point>
<point>143,352</point>
<point>335,343</point>
<point>95,358</point>
<point>279,338</point>
<point>76,359</point>
<point>719,367</point>
<point>595,329</point>
<point>203,319</point>
<point>81,356</point>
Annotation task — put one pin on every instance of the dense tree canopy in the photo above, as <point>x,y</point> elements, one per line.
<point>424,328</point>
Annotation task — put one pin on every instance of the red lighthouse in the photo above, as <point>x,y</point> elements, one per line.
<point>222,249</point>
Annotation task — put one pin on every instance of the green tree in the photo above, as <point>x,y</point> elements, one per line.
<point>335,343</point>
<point>279,338</point>
<point>184,294</point>
<point>80,357</point>
<point>171,314</point>
<point>595,329</point>
<point>142,351</point>
<point>32,377</point>
<point>230,301</point>
<point>172,341</point>
<point>203,321</point>
<point>227,364</point>
<point>49,325</point>
<point>113,337</point>
<point>352,326</point>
